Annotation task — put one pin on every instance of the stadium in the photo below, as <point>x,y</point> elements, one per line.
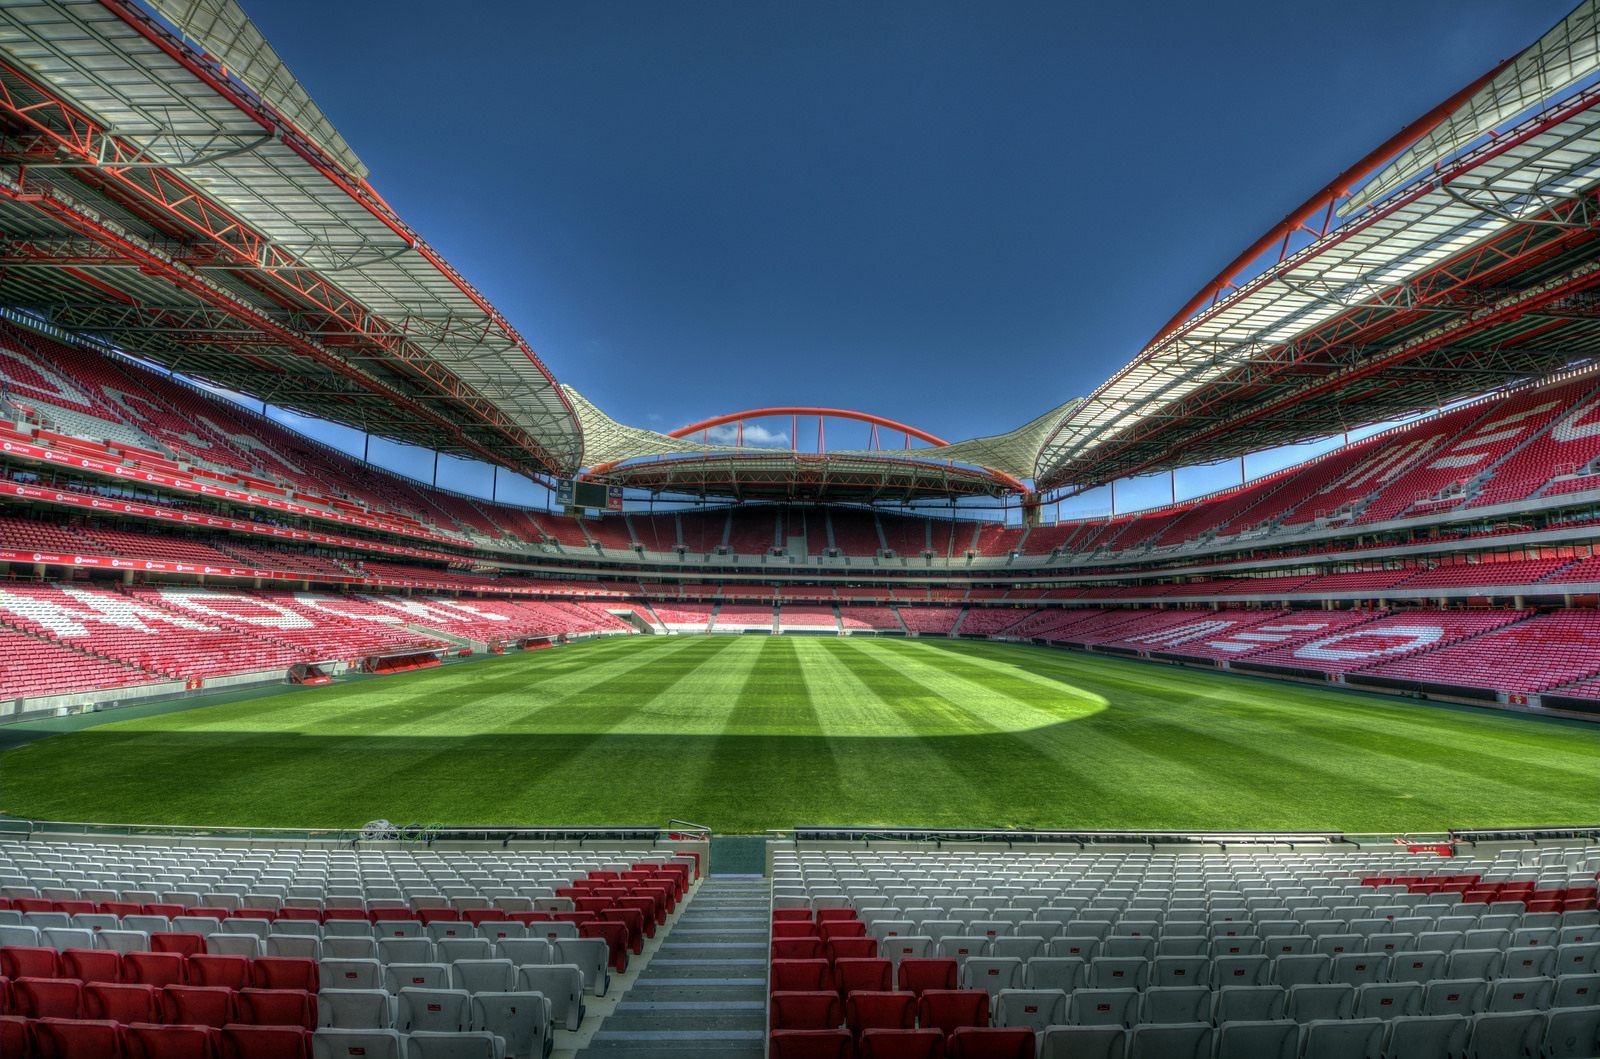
<point>726,746</point>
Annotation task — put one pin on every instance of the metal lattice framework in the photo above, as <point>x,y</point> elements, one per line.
<point>148,199</point>
<point>1465,264</point>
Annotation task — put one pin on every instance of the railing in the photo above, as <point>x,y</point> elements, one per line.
<point>379,832</point>
<point>1080,838</point>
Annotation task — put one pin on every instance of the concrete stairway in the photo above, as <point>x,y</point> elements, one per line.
<point>704,991</point>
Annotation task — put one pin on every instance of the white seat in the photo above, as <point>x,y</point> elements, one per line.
<point>1307,1003</point>
<point>1083,1042</point>
<point>349,948</point>
<point>1190,1040</point>
<point>1103,1007</point>
<point>1054,972</point>
<point>406,950</point>
<point>592,956</point>
<point>1257,1039</point>
<point>294,945</point>
<point>398,976</point>
<point>351,974</point>
<point>1496,1034</point>
<point>425,1044</point>
<point>1033,1008</point>
<point>355,1009</point>
<point>522,1019</point>
<point>526,950</point>
<point>991,973</point>
<point>562,986</point>
<point>1521,994</point>
<point>123,940</point>
<point>356,1044</point>
<point>1175,1004</point>
<point>1572,1033</point>
<point>247,945</point>
<point>1454,996</point>
<point>1343,1039</point>
<point>1427,1036</point>
<point>484,976</point>
<point>452,949</point>
<point>440,1010</point>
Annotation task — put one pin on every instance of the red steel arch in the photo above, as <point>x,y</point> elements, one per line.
<point>804,410</point>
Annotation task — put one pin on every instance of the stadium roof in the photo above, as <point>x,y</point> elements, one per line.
<point>168,188</point>
<point>1465,263</point>
<point>157,199</point>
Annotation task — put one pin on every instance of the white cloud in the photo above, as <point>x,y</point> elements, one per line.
<point>754,434</point>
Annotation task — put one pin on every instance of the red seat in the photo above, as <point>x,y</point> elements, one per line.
<point>16,1036</point>
<point>29,961</point>
<point>161,908</point>
<point>614,934</point>
<point>48,998</point>
<point>927,972</point>
<point>345,913</point>
<point>220,970</point>
<point>950,1009</point>
<point>187,944</point>
<point>172,1042</point>
<point>806,948</point>
<point>315,916</point>
<point>835,914</point>
<point>284,972</point>
<point>879,1010</point>
<point>791,915</point>
<point>810,1044</point>
<point>817,1010</point>
<point>278,1007</point>
<point>800,975</point>
<point>78,1039</point>
<point>852,948</point>
<point>901,1044</point>
<point>841,928</point>
<point>992,1042</point>
<point>796,928</point>
<point>119,908</point>
<point>92,965</point>
<point>199,1005</point>
<point>155,968</point>
<point>265,1042</point>
<point>853,973</point>
<point>122,1002</point>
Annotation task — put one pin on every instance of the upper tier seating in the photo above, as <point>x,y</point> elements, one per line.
<point>656,533</point>
<point>996,538</point>
<point>610,531</point>
<point>1474,575</point>
<point>1567,446</point>
<point>754,530</point>
<point>907,535</point>
<point>703,531</point>
<point>855,533</point>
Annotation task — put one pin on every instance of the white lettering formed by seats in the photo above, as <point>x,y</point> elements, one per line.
<point>277,616</point>
<point>1277,632</point>
<point>1182,633</point>
<point>96,608</point>
<point>1500,430</point>
<point>331,606</point>
<point>436,609</point>
<point>1385,642</point>
<point>1386,463</point>
<point>1571,427</point>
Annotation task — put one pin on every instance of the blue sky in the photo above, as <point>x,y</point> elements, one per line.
<point>953,214</point>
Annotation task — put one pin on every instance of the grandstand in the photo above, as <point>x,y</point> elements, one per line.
<point>177,563</point>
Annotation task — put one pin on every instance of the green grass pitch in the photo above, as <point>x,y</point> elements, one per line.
<point>753,732</point>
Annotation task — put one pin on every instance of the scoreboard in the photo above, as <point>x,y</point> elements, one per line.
<point>573,494</point>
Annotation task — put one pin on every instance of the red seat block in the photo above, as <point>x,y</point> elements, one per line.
<point>16,1036</point>
<point>29,961</point>
<point>810,1044</point>
<point>278,1007</point>
<point>187,944</point>
<point>92,965</point>
<point>800,975</point>
<point>950,1009</point>
<point>48,998</point>
<point>879,1010</point>
<point>901,1044</point>
<point>284,972</point>
<point>853,973</point>
<point>78,1039</point>
<point>198,1005</point>
<point>145,1041</point>
<point>219,970</point>
<point>265,1042</point>
<point>155,968</point>
<point>807,948</point>
<point>986,1042</point>
<point>852,948</point>
<point>122,1002</point>
<point>918,973</point>
<point>841,928</point>
<point>816,1010</point>
<point>794,928</point>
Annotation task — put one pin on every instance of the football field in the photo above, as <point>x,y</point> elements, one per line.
<point>744,733</point>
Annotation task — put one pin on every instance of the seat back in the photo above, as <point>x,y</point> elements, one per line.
<point>901,1044</point>
<point>561,984</point>
<point>1083,1042</point>
<point>122,1002</point>
<point>1311,1002</point>
<point>1505,1033</point>
<point>355,1009</point>
<point>946,1009</point>
<point>145,1041</point>
<point>356,1044</point>
<point>1103,1007</point>
<point>523,1019</point>
<point>439,1010</point>
<point>990,1042</point>
<point>428,1044</point>
<point>1032,1008</point>
<point>1572,1033</point>
<point>484,975</point>
<point>199,1005</point>
<point>592,955</point>
<point>1184,1040</point>
<point>1342,1038</point>
<point>1428,1036</point>
<point>1175,1003</point>
<point>919,973</point>
<point>1257,1039</point>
